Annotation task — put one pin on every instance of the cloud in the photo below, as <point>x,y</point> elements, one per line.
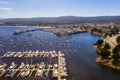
<point>4,2</point>
<point>6,9</point>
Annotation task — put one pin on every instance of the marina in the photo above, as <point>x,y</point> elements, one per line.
<point>55,71</point>
<point>79,54</point>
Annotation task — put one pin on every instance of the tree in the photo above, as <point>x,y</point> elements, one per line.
<point>106,34</point>
<point>116,50</point>
<point>99,30</point>
<point>104,53</point>
<point>110,34</point>
<point>116,57</point>
<point>106,46</point>
<point>96,30</point>
<point>100,42</point>
<point>118,39</point>
<point>116,53</point>
<point>114,31</point>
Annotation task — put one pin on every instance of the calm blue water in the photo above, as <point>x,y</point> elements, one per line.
<point>80,55</point>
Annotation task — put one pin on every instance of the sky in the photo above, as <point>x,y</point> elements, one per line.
<point>55,8</point>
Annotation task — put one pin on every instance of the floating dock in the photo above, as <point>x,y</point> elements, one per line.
<point>42,69</point>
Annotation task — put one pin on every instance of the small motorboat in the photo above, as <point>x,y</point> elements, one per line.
<point>55,73</point>
<point>39,72</point>
<point>2,66</point>
<point>12,65</point>
<point>45,73</point>
<point>10,71</point>
<point>25,73</point>
<point>56,65</point>
<point>22,65</point>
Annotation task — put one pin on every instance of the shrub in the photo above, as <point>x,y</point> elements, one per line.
<point>104,53</point>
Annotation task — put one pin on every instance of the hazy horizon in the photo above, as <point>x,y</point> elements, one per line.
<point>61,16</point>
<point>57,8</point>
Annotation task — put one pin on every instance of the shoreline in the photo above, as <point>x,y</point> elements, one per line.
<point>64,31</point>
<point>107,63</point>
<point>57,31</point>
<point>104,61</point>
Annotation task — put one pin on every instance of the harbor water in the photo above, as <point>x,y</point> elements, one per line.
<point>78,49</point>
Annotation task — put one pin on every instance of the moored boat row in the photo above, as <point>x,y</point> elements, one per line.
<point>25,70</point>
<point>32,54</point>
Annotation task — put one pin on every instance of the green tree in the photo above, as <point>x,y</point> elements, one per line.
<point>99,30</point>
<point>104,53</point>
<point>116,50</point>
<point>114,31</point>
<point>118,39</point>
<point>93,30</point>
<point>100,42</point>
<point>116,57</point>
<point>96,30</point>
<point>106,46</point>
<point>106,34</point>
<point>116,53</point>
<point>110,34</point>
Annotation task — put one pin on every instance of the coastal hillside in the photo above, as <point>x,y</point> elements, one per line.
<point>59,20</point>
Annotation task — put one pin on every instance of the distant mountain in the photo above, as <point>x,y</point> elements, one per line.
<point>62,19</point>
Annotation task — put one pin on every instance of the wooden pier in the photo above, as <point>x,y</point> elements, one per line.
<point>59,74</point>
